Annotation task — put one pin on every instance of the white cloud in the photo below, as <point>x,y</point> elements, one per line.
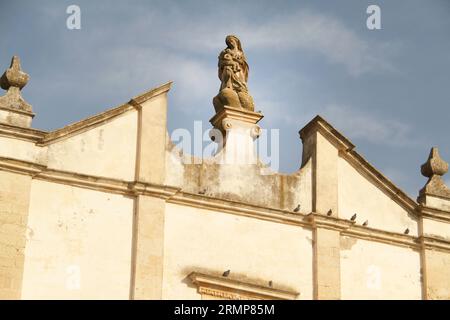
<point>322,34</point>
<point>360,124</point>
<point>352,122</point>
<point>308,30</point>
<point>152,51</point>
<point>305,30</point>
<point>191,76</point>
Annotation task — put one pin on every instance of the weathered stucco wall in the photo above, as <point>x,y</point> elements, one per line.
<point>240,182</point>
<point>107,150</point>
<point>22,150</point>
<point>79,244</point>
<point>373,270</point>
<point>203,240</point>
<point>359,195</point>
<point>67,234</point>
<point>437,266</point>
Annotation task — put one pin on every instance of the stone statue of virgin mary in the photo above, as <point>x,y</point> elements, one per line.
<point>233,74</point>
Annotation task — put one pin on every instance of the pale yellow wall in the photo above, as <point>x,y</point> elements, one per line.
<point>358,195</point>
<point>198,239</point>
<point>152,140</point>
<point>438,274</point>
<point>22,150</point>
<point>108,150</point>
<point>77,231</point>
<point>437,202</point>
<point>436,228</point>
<point>373,270</point>
<point>325,188</point>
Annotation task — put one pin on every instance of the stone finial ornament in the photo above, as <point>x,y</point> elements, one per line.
<point>434,165</point>
<point>233,74</point>
<point>433,169</point>
<point>13,108</point>
<point>14,76</point>
<point>13,80</point>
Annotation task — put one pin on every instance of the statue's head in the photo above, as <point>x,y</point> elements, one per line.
<point>233,42</point>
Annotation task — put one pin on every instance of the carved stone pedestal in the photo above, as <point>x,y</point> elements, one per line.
<point>235,131</point>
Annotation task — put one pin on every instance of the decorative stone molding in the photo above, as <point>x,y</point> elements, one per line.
<point>176,196</point>
<point>26,134</point>
<point>255,132</point>
<point>433,213</point>
<point>223,119</point>
<point>328,222</point>
<point>226,288</point>
<point>43,138</point>
<point>138,100</point>
<point>321,125</point>
<point>235,131</point>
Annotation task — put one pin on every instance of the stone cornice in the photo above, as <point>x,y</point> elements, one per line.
<point>346,151</point>
<point>20,166</point>
<point>433,213</point>
<point>226,288</point>
<point>321,125</point>
<point>349,228</point>
<point>235,114</point>
<point>42,172</point>
<point>176,196</point>
<point>370,234</point>
<point>138,100</point>
<point>42,138</point>
<point>22,112</point>
<point>164,192</point>
<point>234,207</point>
<point>84,125</point>
<point>328,222</point>
<point>21,133</point>
<point>380,180</point>
<point>434,243</point>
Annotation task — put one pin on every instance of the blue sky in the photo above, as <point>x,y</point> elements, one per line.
<point>387,90</point>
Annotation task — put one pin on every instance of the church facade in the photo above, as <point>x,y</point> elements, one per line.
<point>109,208</point>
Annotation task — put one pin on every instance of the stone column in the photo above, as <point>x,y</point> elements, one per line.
<point>14,203</point>
<point>148,233</point>
<point>321,146</point>
<point>147,280</point>
<point>434,225</point>
<point>327,272</point>
<point>14,188</point>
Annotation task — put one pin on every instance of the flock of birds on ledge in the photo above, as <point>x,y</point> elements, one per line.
<point>353,218</point>
<point>329,213</point>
